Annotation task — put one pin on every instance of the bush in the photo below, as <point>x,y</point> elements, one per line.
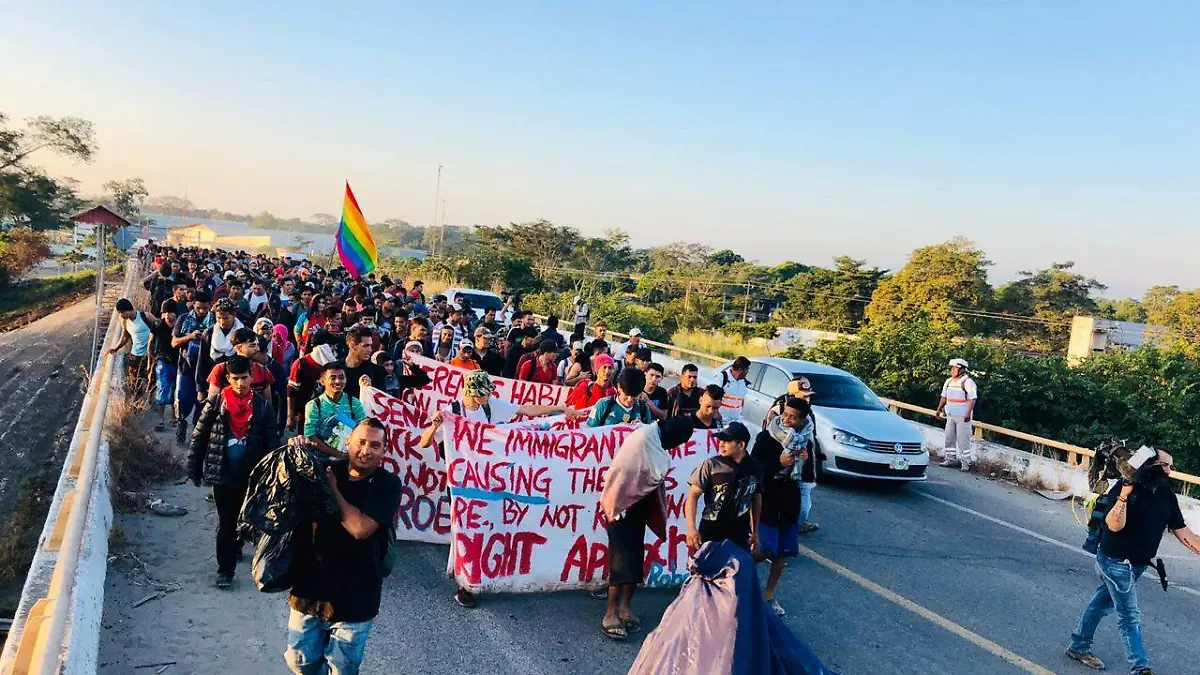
<point>21,250</point>
<point>1148,396</point>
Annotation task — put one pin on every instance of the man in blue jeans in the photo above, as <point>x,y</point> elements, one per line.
<point>337,563</point>
<point>1132,531</point>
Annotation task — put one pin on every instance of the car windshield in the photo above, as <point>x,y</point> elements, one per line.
<point>482,302</point>
<point>842,391</point>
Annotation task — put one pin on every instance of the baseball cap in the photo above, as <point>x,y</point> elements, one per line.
<point>734,431</point>
<point>634,332</point>
<point>577,344</point>
<point>961,363</point>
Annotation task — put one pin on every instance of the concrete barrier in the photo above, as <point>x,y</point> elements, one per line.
<point>57,625</point>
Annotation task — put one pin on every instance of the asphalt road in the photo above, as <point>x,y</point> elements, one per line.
<point>954,575</point>
<point>40,394</point>
<point>1017,594</point>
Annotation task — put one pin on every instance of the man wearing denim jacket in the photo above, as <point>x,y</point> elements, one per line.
<point>1142,512</point>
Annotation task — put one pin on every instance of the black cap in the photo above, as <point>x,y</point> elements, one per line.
<point>734,431</point>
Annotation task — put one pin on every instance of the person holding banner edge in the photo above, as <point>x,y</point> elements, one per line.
<point>476,404</point>
<point>634,498</point>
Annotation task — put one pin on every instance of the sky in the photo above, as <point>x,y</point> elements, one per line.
<point>797,130</point>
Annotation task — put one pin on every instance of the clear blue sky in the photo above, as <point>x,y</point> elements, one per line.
<point>1043,130</point>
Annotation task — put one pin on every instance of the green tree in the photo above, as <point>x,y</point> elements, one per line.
<point>67,136</point>
<point>28,197</point>
<point>725,258</point>
<point>1053,295</point>
<point>541,242</point>
<point>934,285</point>
<point>1125,309</point>
<point>831,299</point>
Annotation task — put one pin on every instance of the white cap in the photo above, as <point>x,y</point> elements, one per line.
<point>635,332</point>
<point>577,345</point>
<point>961,363</point>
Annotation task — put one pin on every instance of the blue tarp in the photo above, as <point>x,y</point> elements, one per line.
<point>720,625</point>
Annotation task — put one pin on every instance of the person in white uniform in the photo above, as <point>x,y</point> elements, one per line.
<point>957,406</point>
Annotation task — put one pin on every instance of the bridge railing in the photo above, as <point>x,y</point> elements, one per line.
<point>1074,455</point>
<point>57,625</point>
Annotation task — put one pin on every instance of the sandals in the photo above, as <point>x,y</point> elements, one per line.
<point>632,626</point>
<point>615,631</point>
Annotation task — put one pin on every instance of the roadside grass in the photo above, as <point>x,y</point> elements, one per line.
<point>32,299</point>
<point>137,459</point>
<point>720,344</point>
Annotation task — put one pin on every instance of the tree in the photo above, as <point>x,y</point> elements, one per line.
<point>325,219</point>
<point>1157,303</point>
<point>831,299</point>
<point>1125,309</point>
<point>67,136</point>
<point>725,258</point>
<point>541,242</point>
<point>21,250</point>
<point>936,284</point>
<point>1053,295</point>
<point>127,196</point>
<point>169,205</point>
<point>28,197</point>
<point>679,254</point>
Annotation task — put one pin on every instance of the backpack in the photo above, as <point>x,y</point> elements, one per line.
<point>639,407</point>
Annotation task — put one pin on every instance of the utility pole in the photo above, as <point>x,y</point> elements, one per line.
<point>746,306</point>
<point>99,292</point>
<point>442,234</point>
<point>437,197</point>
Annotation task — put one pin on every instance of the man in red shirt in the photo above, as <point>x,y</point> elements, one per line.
<point>245,344</point>
<point>543,367</point>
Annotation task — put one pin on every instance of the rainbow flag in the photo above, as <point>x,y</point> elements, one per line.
<point>355,245</point>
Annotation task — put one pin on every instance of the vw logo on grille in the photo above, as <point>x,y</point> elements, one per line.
<point>899,447</point>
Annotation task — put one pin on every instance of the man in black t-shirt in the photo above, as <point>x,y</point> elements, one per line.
<point>166,362</point>
<point>655,394</point>
<point>337,564</point>
<point>708,414</point>
<point>731,484</point>
<point>1133,529</point>
<point>684,398</point>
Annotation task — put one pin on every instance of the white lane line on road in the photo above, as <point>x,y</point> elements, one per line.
<point>1036,535</point>
<point>927,614</point>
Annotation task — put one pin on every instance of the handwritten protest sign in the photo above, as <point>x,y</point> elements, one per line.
<point>446,385</point>
<point>524,507</point>
<point>424,512</point>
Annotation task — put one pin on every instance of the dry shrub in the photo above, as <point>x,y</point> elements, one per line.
<point>137,460</point>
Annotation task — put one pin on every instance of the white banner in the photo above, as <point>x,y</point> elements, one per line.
<point>524,507</point>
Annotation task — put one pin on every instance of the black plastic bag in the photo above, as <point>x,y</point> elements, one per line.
<point>272,564</point>
<point>286,487</point>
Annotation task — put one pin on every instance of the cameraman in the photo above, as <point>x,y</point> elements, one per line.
<point>1130,537</point>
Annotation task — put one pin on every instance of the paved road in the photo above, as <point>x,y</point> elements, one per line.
<point>939,590</point>
<point>40,394</point>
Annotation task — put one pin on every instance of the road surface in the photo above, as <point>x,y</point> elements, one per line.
<point>911,580</point>
<point>41,372</point>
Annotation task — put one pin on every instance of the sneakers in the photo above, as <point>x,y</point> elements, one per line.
<point>1090,660</point>
<point>181,433</point>
<point>779,610</point>
<point>965,468</point>
<point>465,598</point>
<point>949,462</point>
<point>224,581</point>
<point>809,527</point>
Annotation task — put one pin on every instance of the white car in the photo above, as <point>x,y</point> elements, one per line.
<point>859,436</point>
<point>480,301</point>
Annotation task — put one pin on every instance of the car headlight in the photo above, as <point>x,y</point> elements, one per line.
<point>852,440</point>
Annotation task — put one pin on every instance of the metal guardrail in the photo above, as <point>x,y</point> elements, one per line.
<point>1075,454</point>
<point>43,630</point>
